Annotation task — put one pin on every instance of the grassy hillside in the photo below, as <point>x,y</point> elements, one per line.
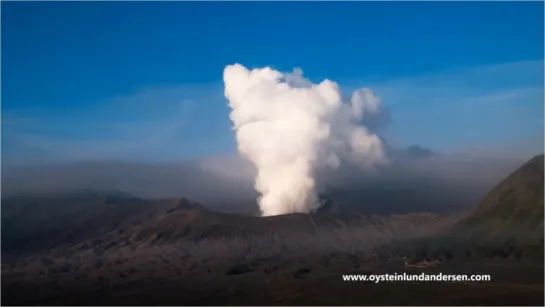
<point>515,205</point>
<point>507,223</point>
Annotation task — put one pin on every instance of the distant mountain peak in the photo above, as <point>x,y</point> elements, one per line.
<point>185,204</point>
<point>417,152</point>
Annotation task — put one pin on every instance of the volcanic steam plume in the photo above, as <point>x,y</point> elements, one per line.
<point>290,128</point>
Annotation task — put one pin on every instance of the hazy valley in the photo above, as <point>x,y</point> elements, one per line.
<point>111,248</point>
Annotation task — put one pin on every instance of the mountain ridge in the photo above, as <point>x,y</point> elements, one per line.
<point>506,223</point>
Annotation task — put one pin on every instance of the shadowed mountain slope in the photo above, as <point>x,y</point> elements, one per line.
<point>507,223</point>
<point>514,204</point>
<point>113,249</point>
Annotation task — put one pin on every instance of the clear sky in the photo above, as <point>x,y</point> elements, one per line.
<point>143,80</point>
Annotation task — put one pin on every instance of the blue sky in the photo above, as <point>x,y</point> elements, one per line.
<point>142,80</point>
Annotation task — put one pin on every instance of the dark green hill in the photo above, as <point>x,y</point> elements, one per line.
<point>514,204</point>
<point>507,223</point>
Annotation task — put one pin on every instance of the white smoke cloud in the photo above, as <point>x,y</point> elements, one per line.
<point>289,128</point>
